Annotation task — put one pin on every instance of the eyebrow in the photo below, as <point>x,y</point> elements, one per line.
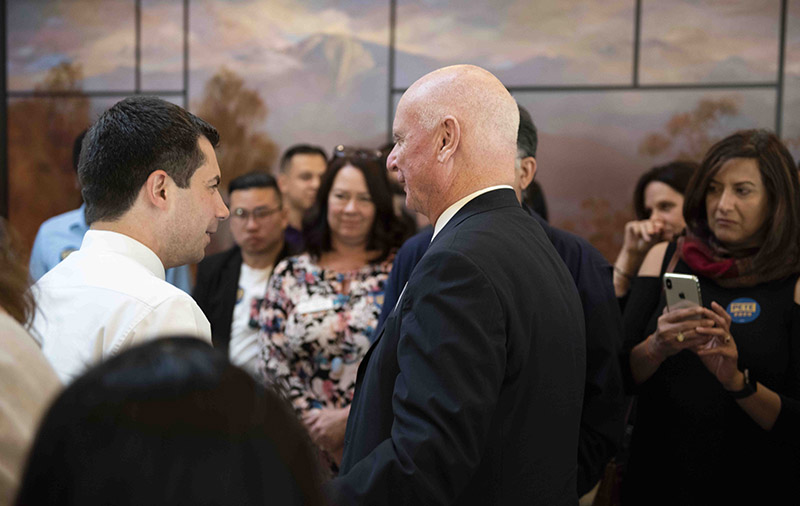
<point>342,190</point>
<point>735,183</point>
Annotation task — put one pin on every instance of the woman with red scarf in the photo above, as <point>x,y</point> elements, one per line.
<point>718,415</point>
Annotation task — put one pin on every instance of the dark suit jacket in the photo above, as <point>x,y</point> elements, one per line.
<point>215,292</point>
<point>216,287</point>
<point>472,393</point>
<point>603,400</point>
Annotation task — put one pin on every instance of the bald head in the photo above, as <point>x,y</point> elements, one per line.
<point>473,95</point>
<point>464,125</point>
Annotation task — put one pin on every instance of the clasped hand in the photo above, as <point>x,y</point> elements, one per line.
<point>327,427</point>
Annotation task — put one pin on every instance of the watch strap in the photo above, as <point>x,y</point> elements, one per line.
<point>749,387</point>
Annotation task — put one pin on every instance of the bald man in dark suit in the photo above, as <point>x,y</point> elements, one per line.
<point>472,393</point>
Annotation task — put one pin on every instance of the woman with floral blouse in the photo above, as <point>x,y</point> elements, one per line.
<point>322,306</point>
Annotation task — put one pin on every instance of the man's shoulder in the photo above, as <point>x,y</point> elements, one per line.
<point>98,272</point>
<point>413,249</point>
<point>63,222</point>
<point>218,260</point>
<point>571,247</point>
<point>485,226</point>
<point>570,244</point>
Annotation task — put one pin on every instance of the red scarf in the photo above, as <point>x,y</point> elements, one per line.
<point>703,260</point>
<point>715,262</point>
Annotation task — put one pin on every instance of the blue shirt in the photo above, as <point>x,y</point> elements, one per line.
<point>61,235</point>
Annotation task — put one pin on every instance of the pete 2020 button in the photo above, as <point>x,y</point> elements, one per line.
<point>743,310</point>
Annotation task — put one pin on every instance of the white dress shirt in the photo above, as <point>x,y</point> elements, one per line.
<point>106,297</point>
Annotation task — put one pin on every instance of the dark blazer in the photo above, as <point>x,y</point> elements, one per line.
<point>215,290</point>
<point>472,393</point>
<point>603,400</point>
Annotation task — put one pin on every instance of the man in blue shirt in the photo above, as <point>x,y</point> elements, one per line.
<point>61,235</point>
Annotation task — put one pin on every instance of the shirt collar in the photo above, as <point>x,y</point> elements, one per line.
<point>124,245</point>
<point>453,209</point>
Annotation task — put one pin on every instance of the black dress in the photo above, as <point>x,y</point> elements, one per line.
<point>692,443</point>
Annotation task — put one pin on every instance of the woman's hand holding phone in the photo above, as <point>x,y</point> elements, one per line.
<point>720,354</point>
<point>677,330</point>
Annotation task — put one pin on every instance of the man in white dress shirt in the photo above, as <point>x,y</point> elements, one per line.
<point>150,181</point>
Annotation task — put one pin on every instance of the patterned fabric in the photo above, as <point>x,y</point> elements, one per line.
<point>315,329</point>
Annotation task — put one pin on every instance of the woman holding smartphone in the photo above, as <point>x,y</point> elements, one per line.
<point>719,386</point>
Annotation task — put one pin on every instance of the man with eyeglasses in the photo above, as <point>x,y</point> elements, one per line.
<point>231,284</point>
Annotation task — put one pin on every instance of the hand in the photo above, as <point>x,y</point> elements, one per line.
<point>642,235</point>
<point>677,331</point>
<point>639,237</point>
<point>720,354</point>
<point>326,427</point>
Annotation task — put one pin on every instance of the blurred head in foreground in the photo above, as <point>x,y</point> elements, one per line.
<point>170,422</point>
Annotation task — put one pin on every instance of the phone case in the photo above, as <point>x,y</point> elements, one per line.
<point>682,291</point>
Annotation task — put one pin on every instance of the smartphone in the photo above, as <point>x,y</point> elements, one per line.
<point>683,291</point>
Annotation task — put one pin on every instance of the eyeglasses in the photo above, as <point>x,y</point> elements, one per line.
<point>342,151</point>
<point>259,213</point>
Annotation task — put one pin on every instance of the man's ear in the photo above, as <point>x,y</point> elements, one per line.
<point>281,179</point>
<point>449,135</point>
<point>156,187</point>
<point>527,170</point>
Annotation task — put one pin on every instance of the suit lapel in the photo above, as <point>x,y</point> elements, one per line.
<point>486,202</point>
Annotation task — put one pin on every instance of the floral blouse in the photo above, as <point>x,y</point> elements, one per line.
<point>315,329</point>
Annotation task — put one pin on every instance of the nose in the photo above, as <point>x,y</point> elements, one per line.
<point>251,223</point>
<point>391,160</point>
<point>657,214</point>
<point>351,206</point>
<point>725,203</point>
<point>222,211</point>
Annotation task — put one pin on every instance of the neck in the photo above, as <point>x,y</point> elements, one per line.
<point>129,228</point>
<point>264,259</point>
<point>354,250</point>
<point>296,217</point>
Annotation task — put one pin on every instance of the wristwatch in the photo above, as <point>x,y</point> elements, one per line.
<point>749,387</point>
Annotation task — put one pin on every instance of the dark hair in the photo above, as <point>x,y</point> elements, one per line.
<point>170,422</point>
<point>388,232</point>
<point>15,294</point>
<point>675,174</point>
<point>781,230</point>
<point>527,138</point>
<point>254,180</point>
<point>136,136</point>
<point>300,149</point>
<point>76,149</point>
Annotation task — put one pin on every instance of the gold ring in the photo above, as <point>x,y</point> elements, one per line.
<point>727,339</point>
<point>680,337</point>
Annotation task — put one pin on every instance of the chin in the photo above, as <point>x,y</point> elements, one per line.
<point>728,240</point>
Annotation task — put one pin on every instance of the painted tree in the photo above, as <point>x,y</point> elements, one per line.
<point>238,113</point>
<point>41,133</point>
<point>688,135</point>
